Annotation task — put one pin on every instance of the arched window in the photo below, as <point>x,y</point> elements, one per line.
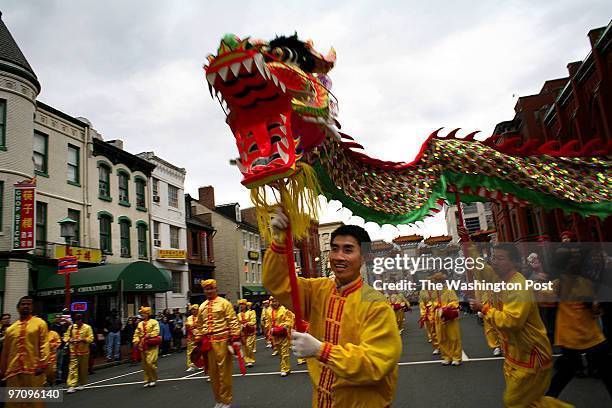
<point>124,235</point>
<point>106,242</point>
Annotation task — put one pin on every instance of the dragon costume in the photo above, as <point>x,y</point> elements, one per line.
<point>283,116</point>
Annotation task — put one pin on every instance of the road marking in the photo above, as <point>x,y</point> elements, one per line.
<point>198,371</point>
<point>464,356</point>
<point>112,378</point>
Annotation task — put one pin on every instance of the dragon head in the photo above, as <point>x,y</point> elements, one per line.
<point>278,103</point>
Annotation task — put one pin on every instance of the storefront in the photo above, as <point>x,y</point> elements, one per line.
<point>124,287</point>
<point>255,293</point>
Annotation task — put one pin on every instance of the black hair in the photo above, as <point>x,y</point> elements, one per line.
<point>361,236</point>
<point>292,45</point>
<point>511,250</point>
<point>25,298</point>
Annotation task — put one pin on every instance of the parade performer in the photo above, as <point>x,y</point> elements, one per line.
<point>54,343</point>
<point>147,340</point>
<point>248,331</point>
<point>265,322</point>
<point>352,344</point>
<point>492,336</point>
<point>25,352</point>
<point>446,321</point>
<point>79,336</point>
<point>527,351</point>
<point>218,327</point>
<point>189,325</point>
<point>427,319</point>
<point>281,323</point>
<point>400,305</point>
<point>250,307</point>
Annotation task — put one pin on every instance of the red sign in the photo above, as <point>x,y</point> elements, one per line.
<point>78,306</point>
<point>67,264</point>
<point>24,235</point>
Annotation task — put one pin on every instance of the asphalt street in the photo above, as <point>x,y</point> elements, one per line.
<point>422,382</point>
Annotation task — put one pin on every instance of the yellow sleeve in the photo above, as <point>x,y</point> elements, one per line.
<point>43,344</point>
<point>451,298</point>
<point>513,315</point>
<point>253,318</point>
<point>67,334</point>
<point>289,320</point>
<point>154,332</point>
<point>376,355</point>
<point>232,320</point>
<point>137,333</point>
<point>89,337</point>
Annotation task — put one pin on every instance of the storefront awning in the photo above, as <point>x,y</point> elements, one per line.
<point>254,290</point>
<point>137,276</point>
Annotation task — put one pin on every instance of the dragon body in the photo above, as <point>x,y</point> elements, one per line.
<point>283,116</point>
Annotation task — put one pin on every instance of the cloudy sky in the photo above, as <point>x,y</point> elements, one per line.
<point>404,68</point>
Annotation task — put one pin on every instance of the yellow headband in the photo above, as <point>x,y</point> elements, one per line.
<point>144,309</point>
<point>242,302</point>
<point>194,306</point>
<point>208,282</point>
<point>249,304</point>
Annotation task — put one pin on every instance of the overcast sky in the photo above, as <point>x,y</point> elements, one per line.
<point>404,68</point>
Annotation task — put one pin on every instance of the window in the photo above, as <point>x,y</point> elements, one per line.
<point>104,181</point>
<point>470,208</point>
<point>472,224</point>
<point>2,123</point>
<point>195,242</point>
<point>205,246</point>
<point>142,240</point>
<point>1,203</point>
<point>41,225</point>
<point>173,196</point>
<point>73,164</point>
<point>253,265</point>
<point>124,195</point>
<point>246,270</point>
<point>155,183</point>
<point>76,216</point>
<point>176,282</point>
<point>245,238</point>
<point>124,234</point>
<point>40,152</point>
<point>174,237</point>
<point>141,203</point>
<point>156,233</point>
<point>106,245</point>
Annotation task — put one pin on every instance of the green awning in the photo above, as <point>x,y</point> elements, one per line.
<point>254,290</point>
<point>137,276</point>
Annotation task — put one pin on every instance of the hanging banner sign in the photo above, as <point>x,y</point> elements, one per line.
<point>24,224</point>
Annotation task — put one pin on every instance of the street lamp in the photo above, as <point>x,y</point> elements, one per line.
<point>67,231</point>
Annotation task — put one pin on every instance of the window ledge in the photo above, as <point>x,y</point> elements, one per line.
<point>107,253</point>
<point>41,173</point>
<point>3,148</point>
<point>126,256</point>
<point>144,209</point>
<point>125,203</point>
<point>143,257</point>
<point>105,198</point>
<point>74,183</point>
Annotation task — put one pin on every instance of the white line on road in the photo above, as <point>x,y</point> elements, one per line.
<point>198,371</point>
<point>112,378</point>
<point>464,356</point>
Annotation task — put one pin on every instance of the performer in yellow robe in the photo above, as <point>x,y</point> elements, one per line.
<point>400,305</point>
<point>250,307</point>
<point>265,323</point>
<point>218,323</point>
<point>281,323</point>
<point>427,318</point>
<point>79,335</point>
<point>527,351</point>
<point>146,332</point>
<point>248,331</point>
<point>446,321</point>
<point>493,337</point>
<point>189,325</point>
<point>352,345</point>
<point>54,343</point>
<point>25,352</point>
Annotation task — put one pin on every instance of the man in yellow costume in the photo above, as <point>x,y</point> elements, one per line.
<point>79,336</point>
<point>446,322</point>
<point>400,305</point>
<point>527,351</point>
<point>281,323</point>
<point>248,331</point>
<point>427,319</point>
<point>189,325</point>
<point>25,352</point>
<point>250,307</point>
<point>352,345</point>
<point>146,338</point>
<point>54,343</point>
<point>265,323</point>
<point>491,334</point>
<point>217,325</point>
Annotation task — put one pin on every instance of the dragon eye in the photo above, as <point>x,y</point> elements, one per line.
<point>253,148</point>
<point>275,139</point>
<point>278,53</point>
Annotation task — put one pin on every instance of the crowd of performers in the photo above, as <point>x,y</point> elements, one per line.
<point>352,344</point>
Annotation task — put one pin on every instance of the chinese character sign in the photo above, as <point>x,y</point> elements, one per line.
<point>24,235</point>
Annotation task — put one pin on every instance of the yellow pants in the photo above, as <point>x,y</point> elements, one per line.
<point>449,338</point>
<point>526,388</point>
<point>431,334</point>
<point>399,318</point>
<point>78,369</point>
<point>220,371</point>
<point>50,373</point>
<point>149,364</point>
<point>190,347</point>
<point>282,345</point>
<point>491,335</point>
<point>249,348</point>
<point>25,380</point>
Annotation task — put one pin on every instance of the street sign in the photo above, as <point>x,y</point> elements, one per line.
<point>78,306</point>
<point>67,264</point>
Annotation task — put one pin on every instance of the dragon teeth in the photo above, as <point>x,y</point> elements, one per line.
<point>284,155</point>
<point>223,73</point>
<point>210,89</point>
<point>248,64</point>
<point>211,78</point>
<point>274,79</point>
<point>284,118</point>
<point>282,86</point>
<point>283,129</point>
<point>235,68</point>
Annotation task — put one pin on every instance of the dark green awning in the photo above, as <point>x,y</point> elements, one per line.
<point>137,276</point>
<point>254,290</point>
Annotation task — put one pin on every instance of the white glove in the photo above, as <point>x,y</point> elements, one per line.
<point>304,345</point>
<point>279,222</point>
<point>480,315</point>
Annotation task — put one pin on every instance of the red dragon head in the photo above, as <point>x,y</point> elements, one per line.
<point>277,101</point>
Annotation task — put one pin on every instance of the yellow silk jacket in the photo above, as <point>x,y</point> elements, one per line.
<point>217,319</point>
<point>249,317</point>
<point>54,343</point>
<point>145,329</point>
<point>26,347</point>
<point>83,333</point>
<point>357,364</point>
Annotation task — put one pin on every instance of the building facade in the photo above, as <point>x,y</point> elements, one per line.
<point>325,231</point>
<point>478,217</point>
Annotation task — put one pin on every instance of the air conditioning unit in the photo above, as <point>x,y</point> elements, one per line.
<point>125,252</point>
<point>156,199</point>
<point>157,242</point>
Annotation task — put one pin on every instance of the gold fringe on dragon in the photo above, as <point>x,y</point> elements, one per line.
<point>277,98</point>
